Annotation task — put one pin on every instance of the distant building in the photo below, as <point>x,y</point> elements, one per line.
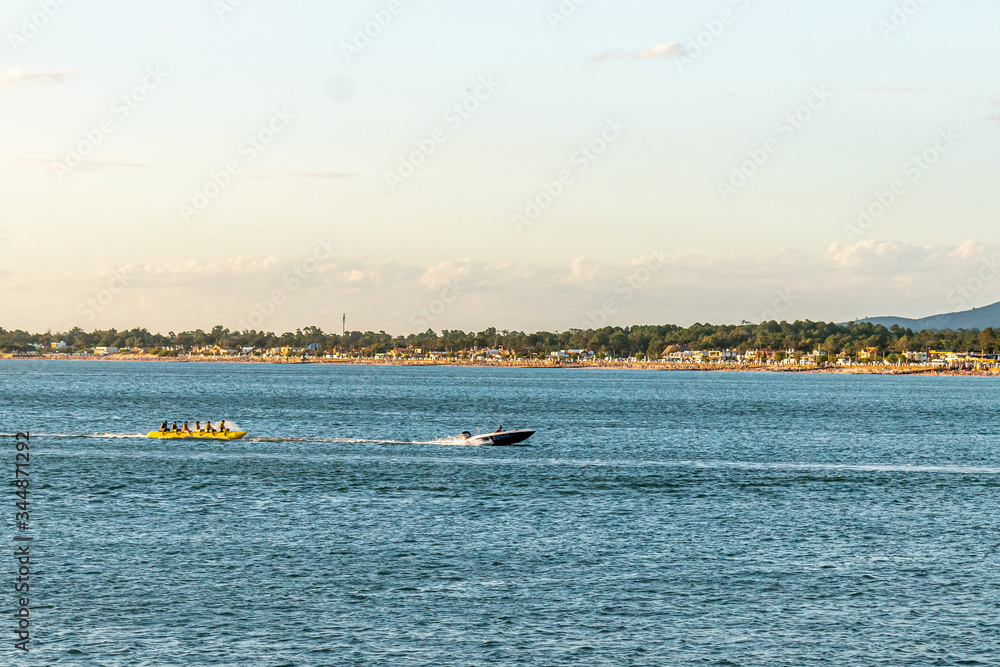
<point>812,358</point>
<point>680,355</point>
<point>101,351</point>
<point>61,345</point>
<point>759,356</point>
<point>868,354</point>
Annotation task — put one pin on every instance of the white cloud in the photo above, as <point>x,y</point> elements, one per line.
<point>969,250</point>
<point>663,51</point>
<point>446,272</point>
<point>667,50</point>
<point>581,271</point>
<point>17,75</point>
<point>355,276</point>
<point>361,277</point>
<point>869,255</point>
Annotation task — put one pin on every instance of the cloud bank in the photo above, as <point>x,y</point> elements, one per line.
<point>655,286</point>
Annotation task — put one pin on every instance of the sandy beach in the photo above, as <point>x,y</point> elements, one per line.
<point>650,366</point>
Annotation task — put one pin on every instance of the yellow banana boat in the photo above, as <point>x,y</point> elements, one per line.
<point>196,435</point>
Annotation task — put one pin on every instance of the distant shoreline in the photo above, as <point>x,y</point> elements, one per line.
<point>650,366</point>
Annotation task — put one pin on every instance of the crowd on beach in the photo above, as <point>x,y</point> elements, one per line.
<point>632,364</point>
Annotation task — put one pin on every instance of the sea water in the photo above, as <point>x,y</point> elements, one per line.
<point>654,519</point>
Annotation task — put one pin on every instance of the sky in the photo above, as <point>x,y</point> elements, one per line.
<point>522,165</point>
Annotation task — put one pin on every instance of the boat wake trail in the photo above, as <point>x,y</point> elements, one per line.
<point>81,435</point>
<point>361,441</point>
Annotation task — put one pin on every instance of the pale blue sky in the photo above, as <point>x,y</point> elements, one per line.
<point>688,122</point>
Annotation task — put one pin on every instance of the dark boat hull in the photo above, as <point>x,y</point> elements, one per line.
<point>502,439</point>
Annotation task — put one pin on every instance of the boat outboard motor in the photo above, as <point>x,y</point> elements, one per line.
<point>466,435</point>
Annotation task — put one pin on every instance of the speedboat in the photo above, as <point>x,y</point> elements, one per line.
<point>499,438</point>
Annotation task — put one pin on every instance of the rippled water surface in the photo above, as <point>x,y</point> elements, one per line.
<point>655,518</point>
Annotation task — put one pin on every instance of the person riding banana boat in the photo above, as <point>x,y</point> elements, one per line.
<point>207,433</point>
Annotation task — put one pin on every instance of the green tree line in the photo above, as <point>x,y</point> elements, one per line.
<point>650,341</point>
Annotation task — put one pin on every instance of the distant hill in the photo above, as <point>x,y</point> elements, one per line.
<point>977,318</point>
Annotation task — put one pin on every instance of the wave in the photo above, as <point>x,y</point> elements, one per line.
<point>704,464</point>
<point>363,441</point>
<point>846,467</point>
<point>79,435</point>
